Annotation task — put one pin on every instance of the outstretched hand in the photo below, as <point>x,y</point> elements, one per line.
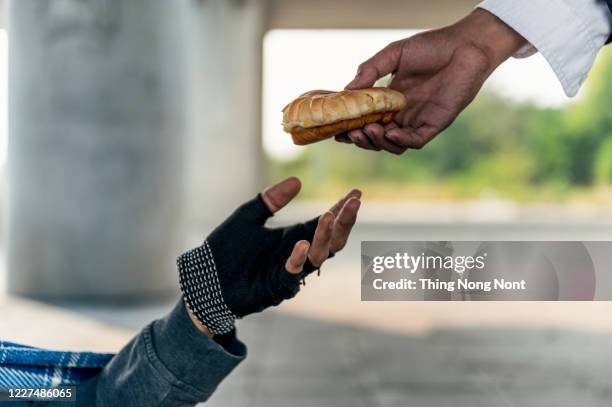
<point>333,227</point>
<point>244,267</point>
<point>440,72</point>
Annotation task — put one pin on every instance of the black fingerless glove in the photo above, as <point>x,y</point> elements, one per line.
<point>240,268</point>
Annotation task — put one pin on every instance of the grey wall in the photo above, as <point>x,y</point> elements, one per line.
<point>96,113</point>
<point>225,155</point>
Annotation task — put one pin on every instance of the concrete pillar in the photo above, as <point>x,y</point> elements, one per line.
<point>96,114</point>
<point>225,153</point>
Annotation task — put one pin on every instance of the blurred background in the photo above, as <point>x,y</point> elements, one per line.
<point>129,129</point>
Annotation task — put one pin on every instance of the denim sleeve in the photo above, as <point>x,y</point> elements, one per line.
<point>169,363</point>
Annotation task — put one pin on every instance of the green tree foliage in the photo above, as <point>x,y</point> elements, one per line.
<point>516,150</point>
<point>603,163</point>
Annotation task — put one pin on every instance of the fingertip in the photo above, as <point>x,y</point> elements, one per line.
<point>296,260</point>
<point>294,182</point>
<point>393,132</point>
<point>354,135</point>
<point>357,85</point>
<point>303,246</point>
<point>375,130</point>
<point>351,85</point>
<point>353,204</point>
<point>395,135</point>
<point>362,80</point>
<point>356,82</point>
<point>350,210</point>
<point>360,139</point>
<point>281,193</point>
<point>355,192</point>
<point>342,138</point>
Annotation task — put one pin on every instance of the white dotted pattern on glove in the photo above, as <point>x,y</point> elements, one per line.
<point>200,285</point>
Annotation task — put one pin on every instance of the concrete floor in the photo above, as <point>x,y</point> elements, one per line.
<point>327,348</point>
<point>299,362</point>
<point>304,362</point>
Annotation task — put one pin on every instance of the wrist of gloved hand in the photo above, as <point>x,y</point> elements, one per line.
<point>199,281</point>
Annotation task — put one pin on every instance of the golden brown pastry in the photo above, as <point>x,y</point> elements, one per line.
<point>321,114</point>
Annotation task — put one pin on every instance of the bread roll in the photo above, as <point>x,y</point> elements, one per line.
<point>321,114</point>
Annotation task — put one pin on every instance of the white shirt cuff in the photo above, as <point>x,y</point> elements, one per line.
<point>568,33</point>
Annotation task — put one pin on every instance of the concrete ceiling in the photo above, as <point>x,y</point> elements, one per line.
<point>365,13</point>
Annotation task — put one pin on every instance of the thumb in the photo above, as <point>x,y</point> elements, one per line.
<point>279,195</point>
<point>271,200</point>
<point>381,64</point>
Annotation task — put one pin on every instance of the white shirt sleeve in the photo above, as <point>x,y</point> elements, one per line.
<point>568,33</point>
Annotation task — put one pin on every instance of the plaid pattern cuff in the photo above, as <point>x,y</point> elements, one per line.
<point>25,366</point>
